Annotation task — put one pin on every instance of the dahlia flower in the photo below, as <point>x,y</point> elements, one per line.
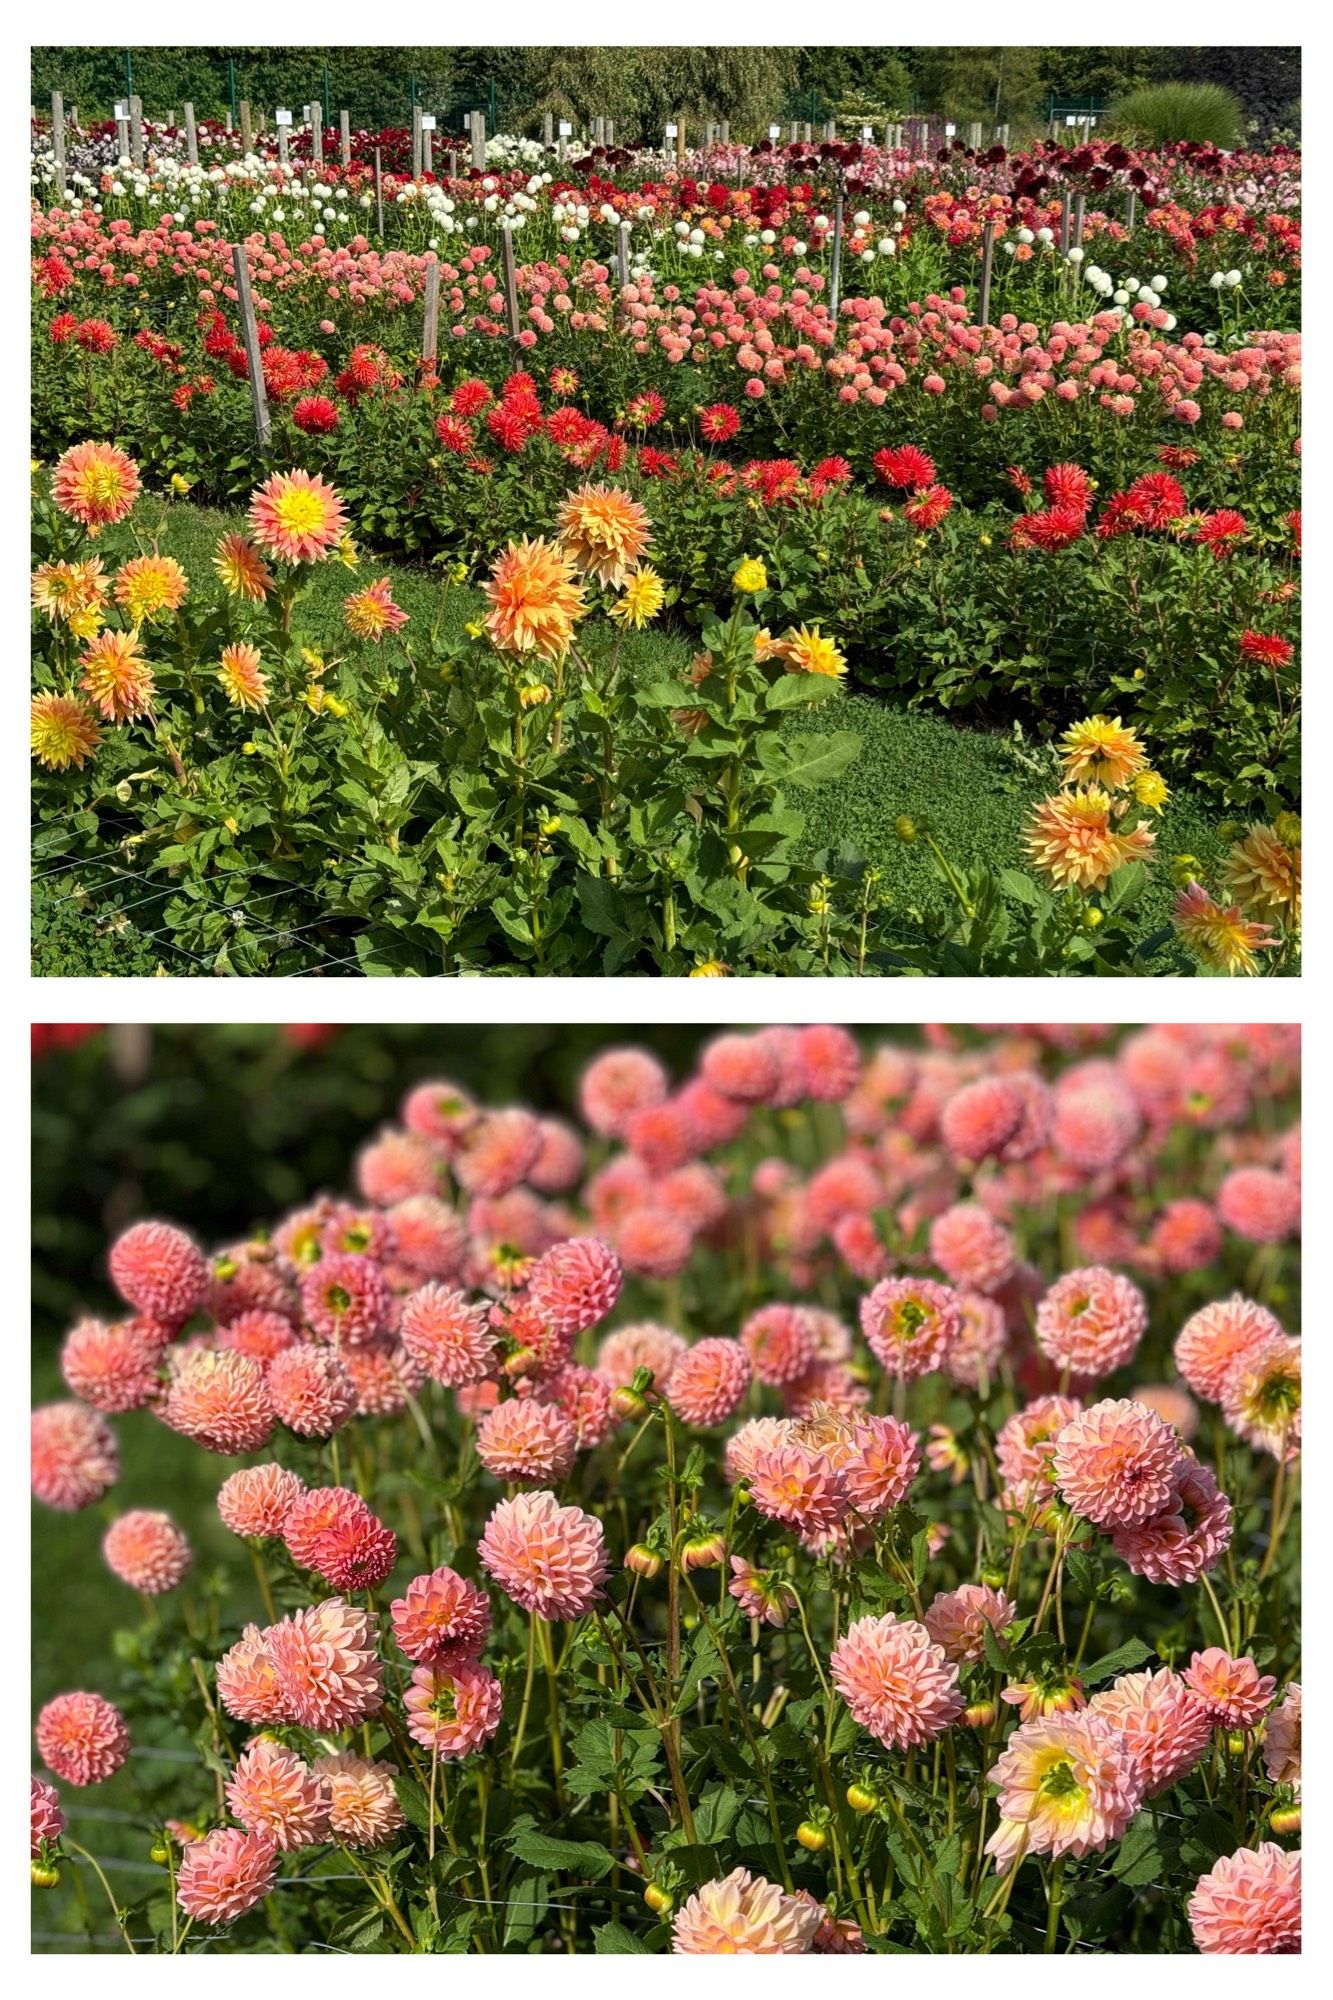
<point>972,1249</point>
<point>616,1084</point>
<point>325,1665</point>
<point>95,485</point>
<point>791,1483</point>
<point>447,1337</point>
<point>440,1614</point>
<point>910,1325</point>
<point>48,1821</point>
<point>74,1458</point>
<point>221,1400</point>
<point>1068,1785</point>
<point>345,1298</point>
<point>1116,1464</point>
<point>549,1559</point>
<point>1213,1339</point>
<point>147,1551</point>
<point>535,600</point>
<point>82,1738</point>
<point>896,1681</point>
<point>273,1791</point>
<point>1261,1398</point>
<point>1234,1692</point>
<point>708,1382</point>
<point>297,516</point>
<point>363,1803</point>
<point>1282,1740</point>
<point>1249,1903</point>
<point>1025,1442</point>
<point>526,1440</point>
<point>1188,1537</point>
<point>1161,1722</point>
<point>225,1874</point>
<point>574,1284</point>
<point>115,1368</point>
<point>62,730</point>
<point>955,1619</point>
<point>1072,837</point>
<point>1091,1322</point>
<point>780,1342</point>
<point>603,532</point>
<point>311,1391</point>
<point>761,1594</point>
<point>160,1271</point>
<point>745,1916</point>
<point>453,1709</point>
<point>247,1683</point>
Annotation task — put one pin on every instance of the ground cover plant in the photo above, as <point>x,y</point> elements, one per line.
<point>837,1498</point>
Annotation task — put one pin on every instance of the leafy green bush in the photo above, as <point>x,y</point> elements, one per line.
<point>1165,112</point>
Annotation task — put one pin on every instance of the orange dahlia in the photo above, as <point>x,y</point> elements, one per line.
<point>535,600</point>
<point>1225,940</point>
<point>117,676</point>
<point>95,484</point>
<point>71,593</point>
<point>807,651</point>
<point>604,532</point>
<point>64,731</point>
<point>243,570</point>
<point>298,516</point>
<point>1072,839</point>
<point>371,612</point>
<point>148,585</point>
<point>1263,873</point>
<point>1102,751</point>
<point>242,676</point>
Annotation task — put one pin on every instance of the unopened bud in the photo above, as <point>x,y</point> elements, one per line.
<point>979,1715</point>
<point>523,1361</point>
<point>861,1799</point>
<point>628,1403</point>
<point>1285,1819</point>
<point>642,1561</point>
<point>1236,1742</point>
<point>812,1836</point>
<point>703,1552</point>
<point>44,1875</point>
<point>905,829</point>
<point>159,1853</point>
<point>657,1900</point>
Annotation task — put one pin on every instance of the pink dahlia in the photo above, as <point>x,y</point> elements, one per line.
<point>383,1376</point>
<point>955,1619</point>
<point>708,1382</point>
<point>878,1464</point>
<point>345,1298</point>
<point>82,1738</point>
<point>618,1083</point>
<point>258,1333</point>
<point>450,1339</point>
<point>976,1354</point>
<point>1249,1904</point>
<point>160,1270</point>
<point>147,1551</point>
<point>1091,1321</point>
<point>363,1803</point>
<point>745,1916</point>
<point>397,1167</point>
<point>780,1341</point>
<point>1068,1785</point>
<point>74,1458</point>
<point>574,1284</point>
<point>761,1594</point>
<point>651,1243</point>
<point>830,1060</point>
<point>971,1248</point>
<point>982,1118</point>
<point>1025,1442</point>
<point>1190,1535</point>
<point>439,1110</point>
<point>1282,1740</point>
<point>1097,1118</point>
<point>549,1559</point>
<point>220,1400</point>
<point>740,1066</point>
<point>1172,1405</point>
<point>664,1137</point>
<point>799,1486</point>
<point>311,1391</point>
<point>498,1152</point>
<point>225,1874</point>
<point>1213,1339</point>
<point>583,1398</point>
<point>526,1440</point>
<point>643,1345</point>
<point>333,1532</point>
<point>559,1165</point>
<point>910,1324</point>
<point>439,1615</point>
<point>748,1440</point>
<point>326,1667</point>
<point>273,1791</point>
<point>1260,1205</point>
<point>453,1709</point>
<point>1117,1464</point>
<point>1162,1723</point>
<point>896,1681</point>
<point>48,1821</point>
<point>1234,1692</point>
<point>1186,1236</point>
<point>115,1368</point>
<point>1261,1398</point>
<point>428,1236</point>
<point>246,1681</point>
<point>257,1500</point>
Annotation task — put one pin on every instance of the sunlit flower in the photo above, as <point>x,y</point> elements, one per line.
<point>243,571</point>
<point>1223,938</point>
<point>453,1709</point>
<point>371,613</point>
<point>1099,751</point>
<point>550,1559</point>
<point>72,594</point>
<point>1068,1785</point>
<point>743,1915</point>
<point>535,599</point>
<point>1072,837</point>
<point>95,484</point>
<point>1162,1723</point>
<point>225,1874</point>
<point>297,516</point>
<point>363,1804</point>
<point>242,676</point>
<point>1234,1692</point>
<point>643,597</point>
<point>1116,1463</point>
<point>807,651</point>
<point>116,676</point>
<point>1249,1903</point>
<point>603,532</point>
<point>896,1681</point>
<point>273,1791</point>
<point>148,585</point>
<point>64,731</point>
<point>1263,873</point>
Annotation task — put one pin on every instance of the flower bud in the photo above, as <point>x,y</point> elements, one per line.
<point>642,1561</point>
<point>1287,827</point>
<point>861,1799</point>
<point>44,1875</point>
<point>1285,1819</point>
<point>979,1715</point>
<point>905,829</point>
<point>657,1900</point>
<point>627,1403</point>
<point>1093,918</point>
<point>523,1361</point>
<point>703,1552</point>
<point>1236,1742</point>
<point>159,1853</point>
<point>812,1836</point>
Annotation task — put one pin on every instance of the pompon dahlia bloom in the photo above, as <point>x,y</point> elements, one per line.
<point>428,1236</point>
<point>574,1284</point>
<point>651,1243</point>
<point>748,1440</point>
<point>498,1151</point>
<point>331,1530</point>
<point>399,1167</point>
<point>221,1400</point>
<point>976,1354</point>
<point>536,600</point>
<point>448,1337</point>
<point>549,1559</point>
<point>618,1083</point>
<point>1282,1741</point>
<point>1162,1723</point>
<point>325,1665</point>
<point>799,1485</point>
<point>526,1440</point>
<point>246,1681</point>
<point>1261,1399</point>
<point>74,1457</point>
<point>439,1616</point>
<point>1234,1692</point>
<point>95,485</point>
<point>972,1248</point>
<point>115,1368</point>
<point>225,1874</point>
<point>982,1118</point>
<point>829,1061</point>
<point>82,1738</point>
<point>1215,1338</point>
<point>160,1271</point>
<point>62,731</point>
<point>1117,1464</point>
<point>643,1345</point>
<point>603,532</point>
<point>1072,837</point>
<point>955,1619</point>
<point>363,1803</point>
<point>297,516</point>
<point>910,1324</point>
<point>345,1298</point>
<point>453,1709</point>
<point>311,1391</point>
<point>739,1066</point>
<point>1025,1442</point>
<point>878,1463</point>
<point>48,1821</point>
<point>1186,1236</point>
<point>583,1397</point>
<point>780,1342</point>
<point>1068,1785</point>
<point>1260,1205</point>
<point>1091,1321</point>
<point>745,1916</point>
<point>1249,1904</point>
<point>1172,1405</point>
<point>1190,1535</point>
<point>708,1382</point>
<point>896,1682</point>
<point>257,1499</point>
<point>273,1791</point>
<point>146,1550</point>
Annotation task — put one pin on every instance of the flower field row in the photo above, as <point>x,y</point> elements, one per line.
<point>841,1500</point>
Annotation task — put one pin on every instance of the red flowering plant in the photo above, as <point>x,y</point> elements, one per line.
<point>843,1498</point>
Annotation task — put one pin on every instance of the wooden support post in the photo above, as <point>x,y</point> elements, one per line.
<point>793,133</point>
<point>609,130</point>
<point>58,140</point>
<point>835,275</point>
<point>247,136</point>
<point>136,131</point>
<point>987,271</point>
<point>1131,210</point>
<point>430,332</point>
<point>974,135</point>
<point>478,140</point>
<point>622,253</point>
<point>428,147</point>
<point>317,137</point>
<point>345,138</point>
<point>253,357</point>
<point>379,197</point>
<point>283,126</point>
<point>805,133</point>
<point>1078,221</point>
<point>1002,135</point>
<point>548,129</point>
<point>191,136</point>
<point>510,278</point>
<point>1064,224</point>
<point>830,129</point>
<point>726,131</point>
<point>416,142</point>
<point>122,139</point>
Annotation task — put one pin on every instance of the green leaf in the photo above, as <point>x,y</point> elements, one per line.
<point>1122,1661</point>
<point>584,1858</point>
<point>800,690</point>
<point>809,760</point>
<point>613,1938</point>
<point>602,904</point>
<point>413,1800</point>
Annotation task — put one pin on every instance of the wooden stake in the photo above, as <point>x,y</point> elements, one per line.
<point>511,279</point>
<point>122,139</point>
<point>317,137</point>
<point>1078,221</point>
<point>1064,224</point>
<point>254,358</point>
<point>136,131</point>
<point>58,139</point>
<point>726,131</point>
<point>247,136</point>
<point>835,278</point>
<point>379,198</point>
<point>622,253</point>
<point>191,136</point>
<point>427,150</point>
<point>1131,210</point>
<point>282,131</point>
<point>478,139</point>
<point>987,268</point>
<point>430,333</point>
<point>416,142</point>
<point>548,129</point>
<point>345,138</point>
<point>974,135</point>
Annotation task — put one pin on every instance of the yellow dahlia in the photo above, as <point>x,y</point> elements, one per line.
<point>807,651</point>
<point>1071,837</point>
<point>604,532</point>
<point>243,570</point>
<point>242,677</point>
<point>535,600</point>
<point>371,612</point>
<point>645,594</point>
<point>1102,751</point>
<point>147,585</point>
<point>1151,790</point>
<point>711,968</point>
<point>95,485</point>
<point>1225,940</point>
<point>298,516</point>
<point>71,593</point>
<point>750,576</point>
<point>117,676</point>
<point>1263,873</point>
<point>64,731</point>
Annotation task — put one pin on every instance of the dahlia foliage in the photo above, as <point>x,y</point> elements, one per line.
<point>841,1500</point>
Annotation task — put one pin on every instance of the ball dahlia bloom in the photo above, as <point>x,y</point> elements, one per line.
<point>453,1709</point>
<point>1162,1723</point>
<point>1189,1537</point>
<point>1091,1321</point>
<point>780,1342</point>
<point>792,1483</point>
<point>326,1667</point>
<point>955,1619</point>
<point>1260,1205</point>
<point>82,1738</point>
<point>1282,1741</point>
<point>440,1615</point>
<point>975,1355</point>
<point>744,1915</point>
<point>363,1803</point>
<point>896,1681</point>
<point>428,1236</point>
<point>1234,1692</point>
<point>1213,1339</point>
<point>549,1559</point>
<point>740,1066</point>
<point>448,1338</point>
<point>1117,1464</point>
<point>225,1874</point>
<point>708,1382</point>
<point>257,1499</point>
<point>748,1440</point>
<point>74,1457</point>
<point>1261,1398</point>
<point>331,1530</point>
<point>247,1682</point>
<point>1249,1903</point>
<point>574,1284</point>
<point>878,1463</point>
<point>1068,1785</point>
<point>345,1298</point>
<point>160,1271</point>
<point>583,1398</point>
<point>146,1550</point>
<point>48,1821</point>
<point>273,1791</point>
<point>1004,1117</point>
<point>311,1391</point>
<point>972,1249</point>
<point>618,1083</point>
<point>115,1368</point>
<point>258,1333</point>
<point>1025,1442</point>
<point>910,1324</point>
<point>526,1440</point>
<point>498,1152</point>
<point>830,1062</point>
<point>643,1345</point>
<point>221,1400</point>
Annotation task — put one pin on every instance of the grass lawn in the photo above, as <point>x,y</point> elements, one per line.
<point>977,787</point>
